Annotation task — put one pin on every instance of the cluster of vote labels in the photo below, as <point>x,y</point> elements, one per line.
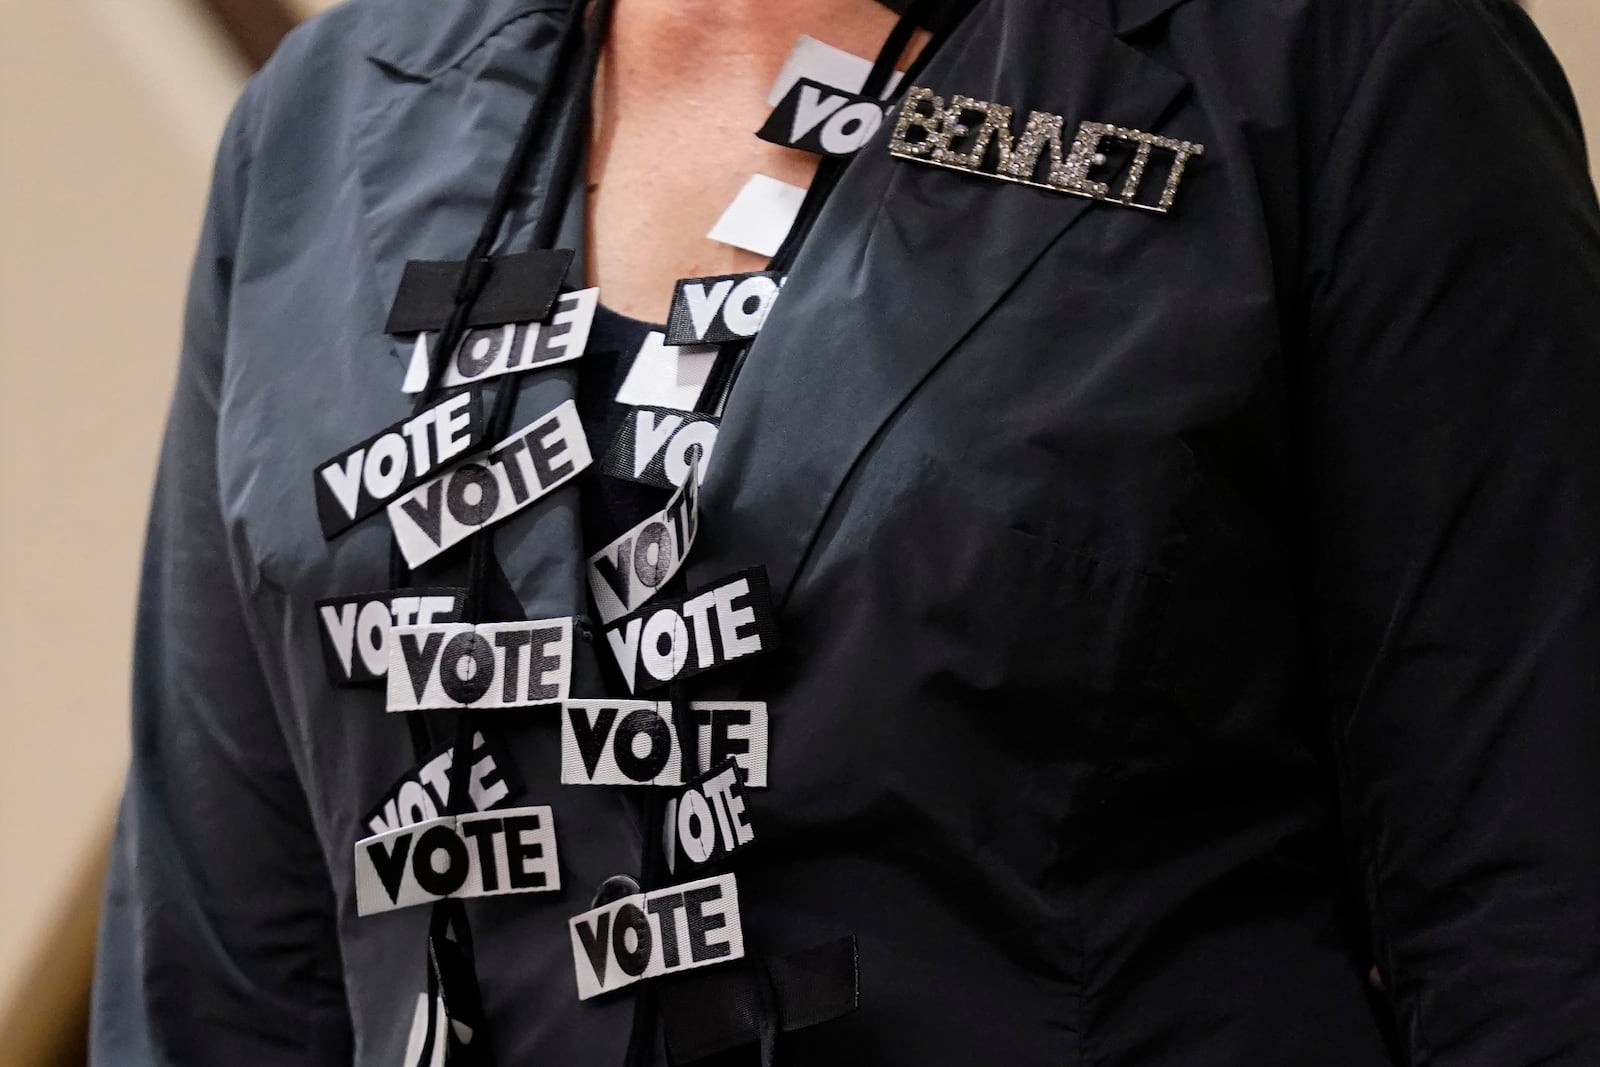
<point>438,479</point>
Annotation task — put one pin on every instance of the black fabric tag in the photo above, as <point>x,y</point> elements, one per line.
<point>721,307</point>
<point>521,288</point>
<point>423,792</point>
<point>660,446</point>
<point>711,1011</point>
<point>668,640</point>
<point>355,629</point>
<point>819,118</point>
<point>707,821</point>
<point>363,478</point>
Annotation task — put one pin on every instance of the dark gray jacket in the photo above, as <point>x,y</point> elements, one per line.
<point>1181,614</point>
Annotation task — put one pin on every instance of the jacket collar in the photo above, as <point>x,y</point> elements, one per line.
<point>421,39</point>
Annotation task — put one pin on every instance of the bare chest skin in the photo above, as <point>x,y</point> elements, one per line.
<point>678,100</point>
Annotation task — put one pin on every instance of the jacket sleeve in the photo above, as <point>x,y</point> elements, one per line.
<point>1447,408</point>
<point>217,941</point>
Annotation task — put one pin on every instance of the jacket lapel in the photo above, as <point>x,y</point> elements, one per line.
<point>904,262</point>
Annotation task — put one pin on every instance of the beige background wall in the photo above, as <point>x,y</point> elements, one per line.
<point>108,113</point>
<point>109,110</point>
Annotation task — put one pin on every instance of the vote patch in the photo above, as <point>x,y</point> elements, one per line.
<point>510,348</point>
<point>481,855</point>
<point>629,570</point>
<point>708,821</point>
<point>355,629</point>
<point>635,742</point>
<point>490,485</point>
<point>423,793</point>
<point>646,935</point>
<point>657,446</point>
<point>716,624</point>
<point>521,287</point>
<point>490,665</point>
<point>721,308</point>
<point>814,117</point>
<point>360,480</point>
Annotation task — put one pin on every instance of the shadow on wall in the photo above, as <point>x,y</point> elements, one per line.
<point>47,1024</point>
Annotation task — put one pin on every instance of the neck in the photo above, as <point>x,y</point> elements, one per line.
<point>723,39</point>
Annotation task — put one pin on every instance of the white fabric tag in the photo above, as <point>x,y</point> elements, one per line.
<point>667,376</point>
<point>632,742</point>
<point>630,570</point>
<point>760,216</point>
<point>420,1033</point>
<point>490,351</point>
<point>822,62</point>
<point>488,486</point>
<point>482,855</point>
<point>650,934</point>
<point>490,665</point>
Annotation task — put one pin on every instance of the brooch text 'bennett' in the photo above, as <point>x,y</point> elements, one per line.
<point>959,136</point>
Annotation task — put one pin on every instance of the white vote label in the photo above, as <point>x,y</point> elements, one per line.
<point>630,570</point>
<point>759,218</point>
<point>634,742</point>
<point>481,855</point>
<point>490,351</point>
<point>491,485</point>
<point>646,935</point>
<point>667,376</point>
<point>490,665</point>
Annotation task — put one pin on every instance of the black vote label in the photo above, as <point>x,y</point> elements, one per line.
<point>355,629</point>
<point>708,821</point>
<point>423,793</point>
<point>660,446</point>
<point>362,479</point>
<point>819,118</point>
<point>721,307</point>
<point>520,288</point>
<point>716,624</point>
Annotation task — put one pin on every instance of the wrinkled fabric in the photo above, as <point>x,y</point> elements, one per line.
<point>1181,615</point>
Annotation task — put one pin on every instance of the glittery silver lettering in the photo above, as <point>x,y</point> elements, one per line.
<point>912,115</point>
<point>954,129</point>
<point>1018,160</point>
<point>1073,177</point>
<point>1184,151</point>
